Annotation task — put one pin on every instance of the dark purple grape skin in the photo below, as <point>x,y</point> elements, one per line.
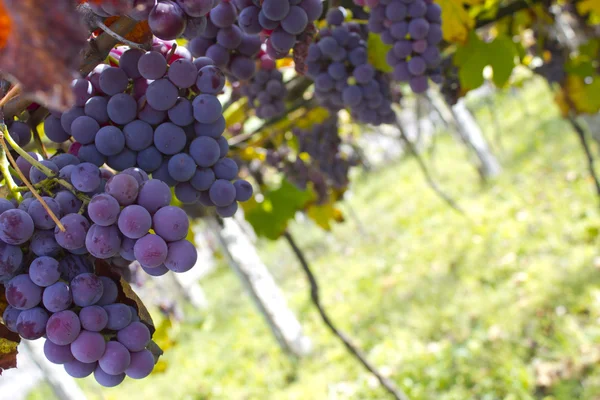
<point>167,20</point>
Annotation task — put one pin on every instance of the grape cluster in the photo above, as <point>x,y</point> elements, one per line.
<point>284,20</point>
<point>224,42</point>
<point>414,29</point>
<point>161,115</point>
<point>298,172</point>
<point>343,77</point>
<point>554,57</point>
<point>167,19</point>
<point>450,88</point>
<point>266,91</point>
<point>87,329</point>
<point>322,143</point>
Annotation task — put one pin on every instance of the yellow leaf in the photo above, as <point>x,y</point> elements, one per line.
<point>584,97</point>
<point>589,6</point>
<point>324,214</point>
<point>456,20</point>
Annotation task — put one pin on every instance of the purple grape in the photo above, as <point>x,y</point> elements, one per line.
<point>142,364</point>
<point>54,130</point>
<point>93,318</point>
<point>167,20</point>
<point>124,188</point>
<point>186,194</point>
<point>135,337</point>
<point>171,223</point>
<point>243,190</point>
<point>78,369</point>
<point>222,193</point>
<point>16,227</point>
<point>31,324</point>
<point>150,251</point>
<point>76,227</point>
<point>22,293</point>
<point>10,317</point>
<point>182,256</point>
<point>57,297</point>
<point>88,347</point>
<point>103,242</point>
<point>205,151</point>
<point>104,209</point>
<point>43,271</point>
<point>162,94</point>
<point>135,221</point>
<point>153,195</point>
<point>119,316</point>
<point>115,359</point>
<point>122,109</point>
<point>112,81</point>
<point>183,73</point>
<point>107,380</point>
<point>68,202</point>
<point>86,289</point>
<point>86,177</point>
<point>63,328</point>
<point>207,108</point>
<point>57,354</point>
<point>109,291</point>
<point>11,258</point>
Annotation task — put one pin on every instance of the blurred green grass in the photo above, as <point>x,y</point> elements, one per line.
<point>503,304</point>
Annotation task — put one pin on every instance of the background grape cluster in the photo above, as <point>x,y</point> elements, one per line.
<point>266,91</point>
<point>224,42</point>
<point>285,21</point>
<point>167,19</point>
<point>338,63</point>
<point>414,29</point>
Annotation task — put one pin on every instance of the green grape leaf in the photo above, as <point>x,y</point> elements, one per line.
<point>475,55</point>
<point>325,214</point>
<point>376,51</point>
<point>270,217</point>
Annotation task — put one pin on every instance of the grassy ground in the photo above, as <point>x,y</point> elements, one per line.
<point>503,304</point>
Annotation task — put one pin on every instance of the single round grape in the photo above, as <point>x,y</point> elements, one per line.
<point>182,113</point>
<point>153,195</point>
<point>110,140</point>
<point>243,190</point>
<point>88,347</point>
<point>167,20</point>
<point>171,223</point>
<point>63,328</point>
<point>104,209</point>
<point>11,258</point>
<point>122,108</point>
<point>222,193</point>
<point>182,167</point>
<point>186,194</point>
<point>119,316</point>
<point>226,169</point>
<point>16,227</point>
<point>39,215</point>
<point>213,130</point>
<point>57,354</point>
<point>162,94</point>
<point>57,297</point>
<point>152,65</point>
<point>112,81</point>
<point>86,289</point>
<point>182,256</point>
<point>90,154</point>
<point>43,271</point>
<point>22,293</point>
<point>84,129</point>
<point>108,380</point>
<point>54,130</point>
<point>103,242</point>
<point>115,359</point>
<point>135,336</point>
<point>96,107</point>
<point>207,108</point>
<point>93,318</point>
<point>142,364</point>
<point>150,251</point>
<point>169,138</point>
<point>124,188</point>
<point>31,324</point>
<point>227,211</point>
<point>109,291</point>
<point>223,15</point>
<point>135,221</point>
<point>182,73</point>
<point>10,317</point>
<point>203,179</point>
<point>205,151</point>
<point>77,369</point>
<point>86,177</point>
<point>149,159</point>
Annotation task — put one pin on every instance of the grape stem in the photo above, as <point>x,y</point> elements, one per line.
<point>4,134</point>
<point>45,170</point>
<point>120,38</point>
<point>395,392</point>
<point>5,170</point>
<point>13,92</point>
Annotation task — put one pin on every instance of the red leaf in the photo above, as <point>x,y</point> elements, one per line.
<point>43,49</point>
<point>8,348</point>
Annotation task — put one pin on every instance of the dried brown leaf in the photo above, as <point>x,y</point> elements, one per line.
<point>43,49</point>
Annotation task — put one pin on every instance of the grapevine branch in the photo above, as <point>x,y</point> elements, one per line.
<point>120,38</point>
<point>413,151</point>
<point>588,153</point>
<point>355,351</point>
